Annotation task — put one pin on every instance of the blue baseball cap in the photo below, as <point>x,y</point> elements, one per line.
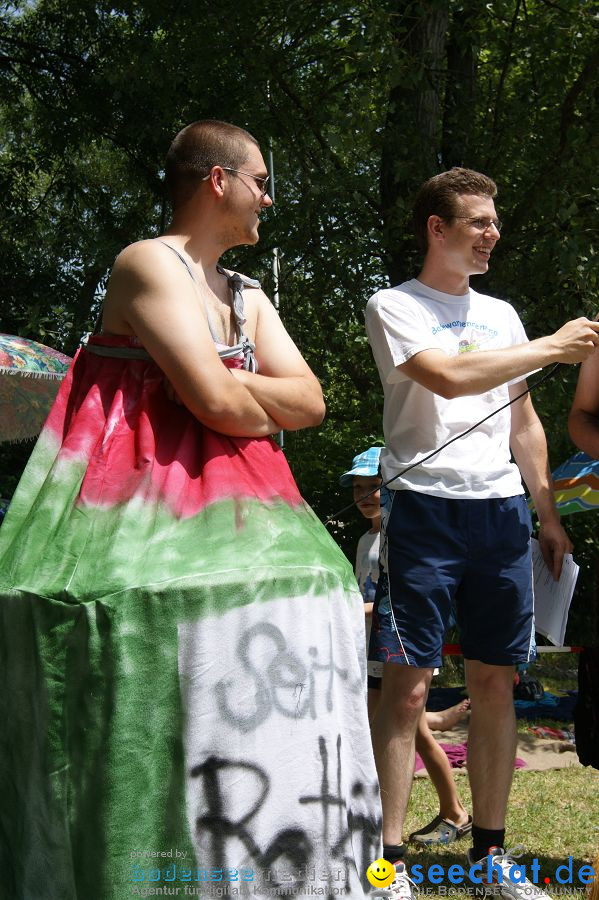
<point>365,464</point>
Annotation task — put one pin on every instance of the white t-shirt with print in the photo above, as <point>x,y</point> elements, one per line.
<point>412,317</point>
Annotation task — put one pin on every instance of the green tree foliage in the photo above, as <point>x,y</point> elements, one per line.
<point>360,103</point>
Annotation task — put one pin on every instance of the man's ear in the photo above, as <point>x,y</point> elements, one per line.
<point>435,227</point>
<point>217,180</point>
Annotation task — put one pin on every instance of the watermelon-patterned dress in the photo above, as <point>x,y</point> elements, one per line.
<point>181,660</point>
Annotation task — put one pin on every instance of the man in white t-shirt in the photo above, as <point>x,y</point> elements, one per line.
<point>456,528</point>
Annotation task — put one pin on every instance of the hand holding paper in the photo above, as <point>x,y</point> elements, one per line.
<point>552,598</point>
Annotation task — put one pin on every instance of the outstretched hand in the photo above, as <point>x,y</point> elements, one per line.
<point>576,340</point>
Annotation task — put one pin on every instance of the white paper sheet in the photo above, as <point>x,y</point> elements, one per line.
<point>552,598</point>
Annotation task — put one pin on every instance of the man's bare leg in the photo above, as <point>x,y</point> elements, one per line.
<point>403,695</point>
<point>374,696</point>
<point>491,741</point>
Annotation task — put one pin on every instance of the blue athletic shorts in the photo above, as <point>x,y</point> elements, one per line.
<point>472,553</point>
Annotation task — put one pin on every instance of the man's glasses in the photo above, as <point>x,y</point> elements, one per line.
<point>261,181</point>
<point>481,224</point>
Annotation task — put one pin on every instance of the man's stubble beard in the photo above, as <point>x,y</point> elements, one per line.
<point>234,234</point>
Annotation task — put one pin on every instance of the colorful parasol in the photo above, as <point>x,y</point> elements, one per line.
<point>30,375</point>
<point>576,484</point>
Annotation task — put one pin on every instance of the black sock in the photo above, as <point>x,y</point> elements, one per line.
<point>484,838</point>
<point>394,853</point>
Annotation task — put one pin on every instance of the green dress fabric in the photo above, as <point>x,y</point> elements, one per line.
<point>181,661</point>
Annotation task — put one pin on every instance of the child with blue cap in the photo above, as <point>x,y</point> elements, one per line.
<point>365,480</point>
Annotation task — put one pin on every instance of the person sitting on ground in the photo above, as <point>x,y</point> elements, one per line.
<point>453,821</point>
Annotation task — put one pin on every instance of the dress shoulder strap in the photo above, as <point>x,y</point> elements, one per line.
<point>98,324</point>
<point>195,281</point>
<point>236,284</point>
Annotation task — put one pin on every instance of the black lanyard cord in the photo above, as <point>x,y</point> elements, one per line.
<point>418,462</point>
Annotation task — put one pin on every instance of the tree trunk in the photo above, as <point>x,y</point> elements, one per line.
<point>412,134</point>
<point>460,94</point>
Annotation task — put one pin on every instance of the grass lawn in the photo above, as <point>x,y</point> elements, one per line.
<point>554,814</point>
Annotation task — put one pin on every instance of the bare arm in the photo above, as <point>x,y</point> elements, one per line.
<point>529,446</point>
<point>474,373</point>
<point>583,421</point>
<point>153,296</point>
<point>285,386</point>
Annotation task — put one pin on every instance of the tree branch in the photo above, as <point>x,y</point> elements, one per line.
<point>585,77</point>
<point>503,76</point>
<point>322,142</point>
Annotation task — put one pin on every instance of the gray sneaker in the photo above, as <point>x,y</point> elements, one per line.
<point>402,887</point>
<point>511,890</point>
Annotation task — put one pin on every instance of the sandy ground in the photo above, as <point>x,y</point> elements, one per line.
<point>538,753</point>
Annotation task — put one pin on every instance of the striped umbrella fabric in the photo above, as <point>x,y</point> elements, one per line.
<point>576,484</point>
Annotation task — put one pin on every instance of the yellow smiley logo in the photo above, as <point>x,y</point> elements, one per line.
<point>380,873</point>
